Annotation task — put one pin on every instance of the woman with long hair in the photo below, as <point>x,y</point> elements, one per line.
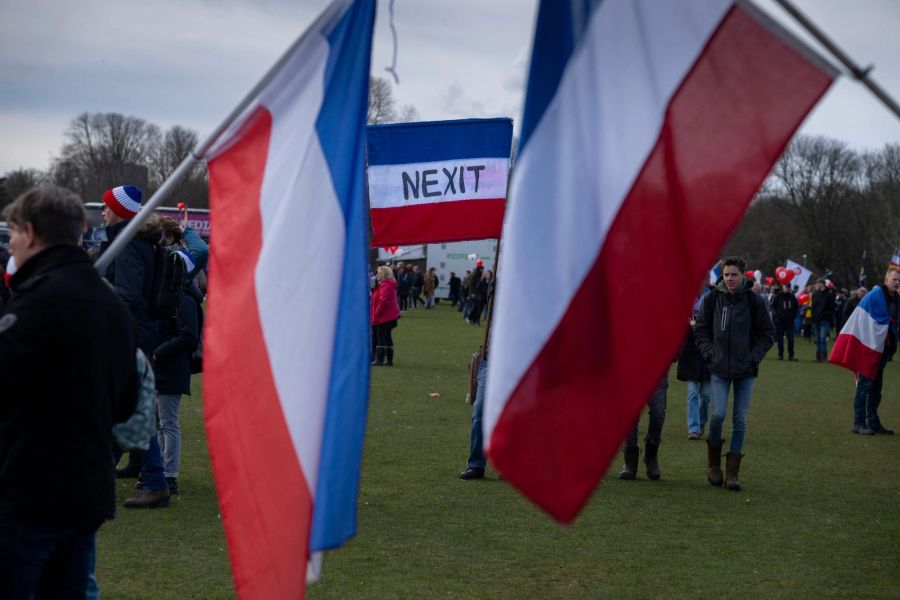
<point>384,312</point>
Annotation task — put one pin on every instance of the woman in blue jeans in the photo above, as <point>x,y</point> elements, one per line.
<point>733,332</point>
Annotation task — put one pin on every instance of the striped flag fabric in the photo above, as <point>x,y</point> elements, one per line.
<point>648,127</point>
<point>440,181</point>
<point>287,341</point>
<point>895,259</point>
<point>860,344</point>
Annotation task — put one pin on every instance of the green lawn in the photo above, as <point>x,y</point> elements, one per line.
<point>819,516</point>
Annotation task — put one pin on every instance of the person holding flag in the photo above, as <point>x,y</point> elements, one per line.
<point>866,343</point>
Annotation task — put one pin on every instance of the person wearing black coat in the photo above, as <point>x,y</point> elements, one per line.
<point>785,309</point>
<point>455,284</point>
<point>172,366</point>
<point>733,332</point>
<point>69,373</point>
<point>131,274</point>
<point>822,315</point>
<point>692,369</point>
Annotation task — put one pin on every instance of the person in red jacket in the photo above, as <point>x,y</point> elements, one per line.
<point>384,314</point>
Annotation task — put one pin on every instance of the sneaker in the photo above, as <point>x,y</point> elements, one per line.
<point>472,473</point>
<point>882,429</point>
<point>862,430</point>
<point>149,499</point>
<point>693,435</point>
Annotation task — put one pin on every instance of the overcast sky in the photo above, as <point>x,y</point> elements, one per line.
<point>188,62</point>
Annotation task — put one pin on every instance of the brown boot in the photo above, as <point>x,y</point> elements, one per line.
<point>732,470</point>
<point>149,499</point>
<point>714,463</point>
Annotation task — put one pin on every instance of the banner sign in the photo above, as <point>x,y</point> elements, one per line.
<point>439,181</point>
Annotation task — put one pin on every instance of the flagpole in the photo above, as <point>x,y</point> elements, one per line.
<point>857,72</point>
<point>198,153</point>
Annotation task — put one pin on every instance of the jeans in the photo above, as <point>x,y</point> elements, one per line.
<point>868,397</point>
<point>476,438</point>
<point>152,475</point>
<point>39,561</point>
<point>743,391</point>
<point>820,333</point>
<point>782,329</point>
<point>656,408</point>
<point>698,396</point>
<point>168,432</point>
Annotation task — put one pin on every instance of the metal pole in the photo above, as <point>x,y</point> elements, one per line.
<point>199,153</point>
<point>857,72</point>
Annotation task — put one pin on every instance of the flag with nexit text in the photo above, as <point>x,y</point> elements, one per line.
<point>441,181</point>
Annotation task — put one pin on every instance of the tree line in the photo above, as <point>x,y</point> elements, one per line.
<point>835,207</point>
<point>103,150</point>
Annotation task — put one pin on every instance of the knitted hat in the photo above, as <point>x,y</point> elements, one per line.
<point>124,200</point>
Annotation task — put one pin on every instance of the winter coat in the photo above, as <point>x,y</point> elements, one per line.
<point>454,286</point>
<point>67,363</point>
<point>131,274</point>
<point>734,331</point>
<point>822,306</point>
<point>785,307</point>
<point>474,280</point>
<point>691,365</point>
<point>430,283</point>
<point>850,305</point>
<point>383,306</point>
<point>172,357</point>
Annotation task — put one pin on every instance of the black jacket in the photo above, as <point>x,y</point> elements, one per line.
<point>822,306</point>
<point>785,307</point>
<point>850,305</point>
<point>131,274</point>
<point>734,332</point>
<point>172,358</point>
<point>691,364</point>
<point>67,363</point>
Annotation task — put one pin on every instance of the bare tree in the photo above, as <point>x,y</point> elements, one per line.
<point>381,102</point>
<point>19,181</point>
<point>103,150</point>
<point>176,145</point>
<point>408,114</point>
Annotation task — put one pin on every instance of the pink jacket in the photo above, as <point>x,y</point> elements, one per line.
<point>384,306</point>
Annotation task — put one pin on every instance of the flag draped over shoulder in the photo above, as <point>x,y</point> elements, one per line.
<point>287,338</point>
<point>860,344</point>
<point>440,181</point>
<point>648,127</point>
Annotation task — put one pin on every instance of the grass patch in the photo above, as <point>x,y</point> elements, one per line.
<point>818,517</point>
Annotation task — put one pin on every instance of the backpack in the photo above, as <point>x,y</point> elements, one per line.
<point>135,432</point>
<point>168,282</point>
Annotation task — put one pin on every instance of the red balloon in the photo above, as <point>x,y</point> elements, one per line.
<point>803,298</point>
<point>181,206</point>
<point>770,280</point>
<point>788,275</point>
<point>781,275</point>
<point>749,274</point>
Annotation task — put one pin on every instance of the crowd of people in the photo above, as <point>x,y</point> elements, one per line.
<point>66,333</point>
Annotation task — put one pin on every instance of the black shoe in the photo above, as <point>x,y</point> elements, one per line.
<point>472,473</point>
<point>863,430</point>
<point>882,429</point>
<point>173,485</point>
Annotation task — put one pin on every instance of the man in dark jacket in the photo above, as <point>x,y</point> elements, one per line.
<point>733,332</point>
<point>822,315</point>
<point>67,363</point>
<point>785,308</point>
<point>455,283</point>
<point>131,274</point>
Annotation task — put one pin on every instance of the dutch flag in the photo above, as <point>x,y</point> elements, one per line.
<point>287,337</point>
<point>648,127</point>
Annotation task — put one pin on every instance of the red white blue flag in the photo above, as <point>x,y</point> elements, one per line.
<point>860,344</point>
<point>442,181</point>
<point>287,338</point>
<point>648,128</point>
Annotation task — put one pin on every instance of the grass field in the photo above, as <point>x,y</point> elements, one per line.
<point>819,515</point>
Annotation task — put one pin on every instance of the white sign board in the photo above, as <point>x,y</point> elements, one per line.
<point>458,257</point>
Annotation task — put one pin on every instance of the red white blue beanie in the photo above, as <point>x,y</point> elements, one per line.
<point>124,200</point>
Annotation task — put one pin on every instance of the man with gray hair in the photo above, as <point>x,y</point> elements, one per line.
<point>67,363</point>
